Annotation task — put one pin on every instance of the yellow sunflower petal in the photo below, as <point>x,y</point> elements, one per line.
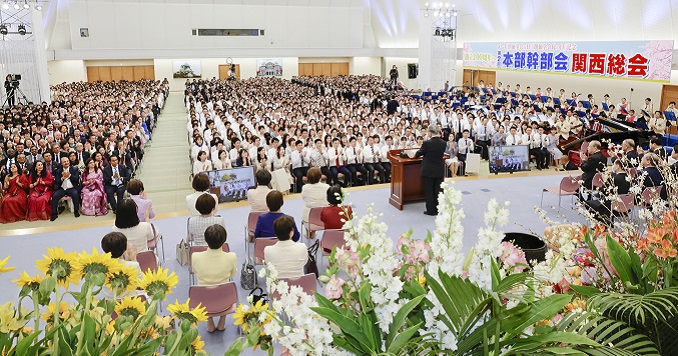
<point>3,263</point>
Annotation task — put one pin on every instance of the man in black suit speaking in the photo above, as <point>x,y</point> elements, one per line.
<point>432,168</point>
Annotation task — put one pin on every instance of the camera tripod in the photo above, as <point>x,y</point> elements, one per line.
<point>17,94</point>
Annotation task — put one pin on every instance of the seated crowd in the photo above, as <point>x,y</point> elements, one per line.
<point>346,125</point>
<point>85,145</point>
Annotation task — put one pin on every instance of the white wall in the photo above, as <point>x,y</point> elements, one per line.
<point>118,62</point>
<point>401,63</point>
<point>567,20</point>
<point>365,65</point>
<point>66,71</point>
<point>149,24</point>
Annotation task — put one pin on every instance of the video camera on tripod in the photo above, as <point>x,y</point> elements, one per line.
<point>14,80</point>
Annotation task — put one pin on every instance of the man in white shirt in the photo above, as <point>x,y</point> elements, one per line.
<point>535,146</point>
<point>465,145</point>
<point>337,161</point>
<point>513,138</point>
<point>385,162</point>
<point>300,163</point>
<point>354,161</point>
<point>483,137</point>
<point>371,158</point>
<point>234,152</point>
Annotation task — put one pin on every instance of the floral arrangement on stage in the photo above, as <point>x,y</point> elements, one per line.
<point>115,312</point>
<point>595,295</point>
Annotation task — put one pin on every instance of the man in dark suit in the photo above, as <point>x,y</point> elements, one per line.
<point>432,168</point>
<point>656,147</point>
<point>116,177</point>
<point>50,165</point>
<point>602,208</point>
<point>592,162</point>
<point>66,183</point>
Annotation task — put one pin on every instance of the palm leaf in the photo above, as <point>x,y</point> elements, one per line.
<point>458,297</point>
<point>638,310</point>
<point>605,331</point>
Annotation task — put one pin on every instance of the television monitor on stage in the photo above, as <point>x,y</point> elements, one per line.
<point>231,184</point>
<point>509,159</point>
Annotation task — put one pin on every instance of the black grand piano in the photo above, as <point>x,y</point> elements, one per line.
<point>621,130</point>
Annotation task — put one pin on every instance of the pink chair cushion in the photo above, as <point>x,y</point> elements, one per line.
<point>147,261</point>
<point>259,245</point>
<point>218,300</point>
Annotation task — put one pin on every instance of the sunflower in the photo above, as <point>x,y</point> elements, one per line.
<point>122,278</point>
<point>26,281</point>
<point>160,281</point>
<point>130,306</point>
<point>95,263</point>
<point>257,314</point>
<point>64,312</point>
<point>197,345</point>
<point>59,265</point>
<point>3,263</point>
<point>184,312</point>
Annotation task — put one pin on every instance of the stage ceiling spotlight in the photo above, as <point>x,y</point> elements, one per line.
<point>38,7</point>
<point>16,6</point>
<point>26,6</point>
<point>22,30</point>
<point>5,5</point>
<point>3,30</point>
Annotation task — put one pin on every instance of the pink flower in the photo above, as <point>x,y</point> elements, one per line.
<point>513,257</point>
<point>334,288</point>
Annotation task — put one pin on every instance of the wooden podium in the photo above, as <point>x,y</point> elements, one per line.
<point>406,182</point>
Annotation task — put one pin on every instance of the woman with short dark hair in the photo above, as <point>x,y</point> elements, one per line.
<point>288,257</point>
<point>197,225</point>
<point>214,266</point>
<point>127,222</point>
<point>136,191</point>
<point>264,227</point>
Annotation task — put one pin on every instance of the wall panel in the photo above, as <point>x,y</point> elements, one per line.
<point>116,73</point>
<point>149,72</point>
<point>128,73</point>
<point>105,74</point>
<point>93,74</point>
<point>138,72</point>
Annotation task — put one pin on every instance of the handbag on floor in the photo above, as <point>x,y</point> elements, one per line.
<point>258,295</point>
<point>311,264</point>
<point>248,275</point>
<point>183,252</point>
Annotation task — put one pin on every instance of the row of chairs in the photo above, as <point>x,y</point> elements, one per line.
<point>569,186</point>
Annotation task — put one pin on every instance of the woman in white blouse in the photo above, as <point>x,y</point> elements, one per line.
<point>127,222</point>
<point>197,147</point>
<point>223,161</point>
<point>202,164</point>
<point>280,165</point>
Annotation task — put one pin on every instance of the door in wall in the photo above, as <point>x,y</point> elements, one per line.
<point>223,71</point>
<point>669,94</point>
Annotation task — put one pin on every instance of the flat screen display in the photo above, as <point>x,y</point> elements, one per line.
<point>509,158</point>
<point>231,184</point>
